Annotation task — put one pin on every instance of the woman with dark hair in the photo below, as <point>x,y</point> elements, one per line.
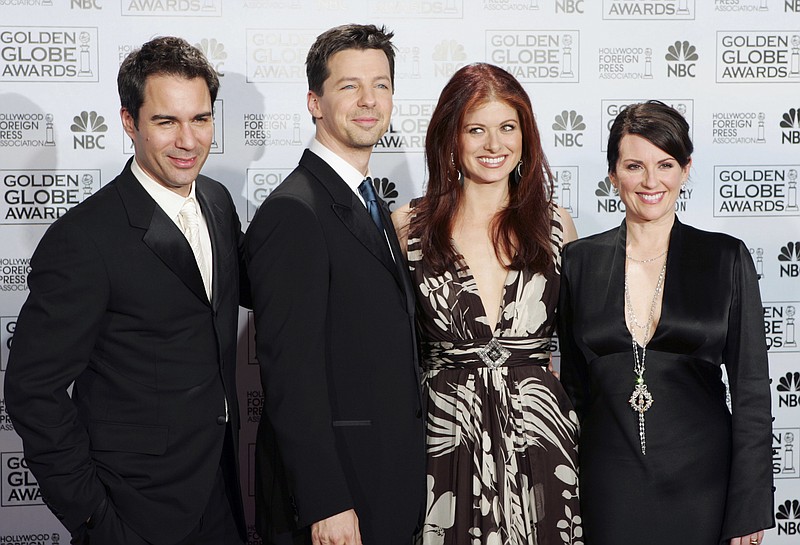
<point>484,250</point>
<point>648,314</point>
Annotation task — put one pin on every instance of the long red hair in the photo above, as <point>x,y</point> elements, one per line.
<point>521,231</point>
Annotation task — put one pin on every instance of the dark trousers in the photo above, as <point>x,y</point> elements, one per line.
<point>217,525</point>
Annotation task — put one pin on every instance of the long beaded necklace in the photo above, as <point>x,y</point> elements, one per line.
<point>641,399</point>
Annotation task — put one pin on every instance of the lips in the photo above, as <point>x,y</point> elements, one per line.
<point>651,198</point>
<point>184,162</point>
<point>366,121</point>
<point>492,161</point>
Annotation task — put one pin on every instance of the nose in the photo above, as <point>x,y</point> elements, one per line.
<point>650,178</point>
<point>492,142</point>
<point>186,138</point>
<point>366,99</point>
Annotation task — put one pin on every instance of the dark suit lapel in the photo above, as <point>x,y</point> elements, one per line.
<point>213,215</point>
<point>161,235</point>
<point>615,287</point>
<point>350,210</point>
<point>400,263</point>
<point>357,220</point>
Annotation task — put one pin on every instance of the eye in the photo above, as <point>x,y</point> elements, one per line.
<point>666,166</point>
<point>633,167</point>
<point>350,86</point>
<point>508,127</point>
<point>382,86</point>
<point>475,130</point>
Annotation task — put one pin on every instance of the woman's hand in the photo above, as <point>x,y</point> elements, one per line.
<point>752,539</point>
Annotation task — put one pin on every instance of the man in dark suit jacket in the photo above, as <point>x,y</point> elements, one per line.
<point>145,449</point>
<point>340,452</point>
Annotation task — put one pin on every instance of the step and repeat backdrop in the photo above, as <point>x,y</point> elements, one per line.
<point>731,67</point>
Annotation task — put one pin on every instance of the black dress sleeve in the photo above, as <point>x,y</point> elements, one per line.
<point>749,505</point>
<point>574,367</point>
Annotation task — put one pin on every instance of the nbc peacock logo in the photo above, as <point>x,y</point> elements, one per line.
<point>569,127</point>
<point>681,60</point>
<point>789,390</point>
<point>788,518</point>
<point>790,126</point>
<point>789,260</point>
<point>387,190</point>
<point>214,52</point>
<point>790,382</point>
<point>88,129</point>
<point>607,199</point>
<point>448,56</point>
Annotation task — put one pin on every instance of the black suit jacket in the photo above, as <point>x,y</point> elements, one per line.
<point>711,315</point>
<point>117,305</point>
<point>335,341</point>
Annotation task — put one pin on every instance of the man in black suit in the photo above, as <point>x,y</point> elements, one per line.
<point>134,298</point>
<point>340,452</point>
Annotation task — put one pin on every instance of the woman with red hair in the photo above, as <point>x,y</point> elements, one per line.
<point>484,251</point>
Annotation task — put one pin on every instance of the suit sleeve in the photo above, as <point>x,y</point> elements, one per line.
<point>52,345</point>
<point>288,265</point>
<point>750,494</point>
<point>574,368</point>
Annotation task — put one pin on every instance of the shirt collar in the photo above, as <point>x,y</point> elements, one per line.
<point>347,172</point>
<point>169,201</point>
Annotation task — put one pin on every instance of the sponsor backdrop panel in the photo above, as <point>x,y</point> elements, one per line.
<point>732,67</point>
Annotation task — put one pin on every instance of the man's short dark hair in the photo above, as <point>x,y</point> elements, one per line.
<point>167,55</point>
<point>341,38</point>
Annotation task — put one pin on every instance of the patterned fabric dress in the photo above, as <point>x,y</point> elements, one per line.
<point>502,456</point>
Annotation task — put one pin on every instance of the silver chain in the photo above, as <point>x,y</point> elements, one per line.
<point>641,399</point>
<point>650,260</point>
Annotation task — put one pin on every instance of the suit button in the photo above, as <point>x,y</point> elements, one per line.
<point>221,420</point>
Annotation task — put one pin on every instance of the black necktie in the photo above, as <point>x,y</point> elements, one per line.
<point>371,200</point>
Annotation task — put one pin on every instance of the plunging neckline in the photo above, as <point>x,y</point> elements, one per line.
<point>664,300</point>
<point>468,275</point>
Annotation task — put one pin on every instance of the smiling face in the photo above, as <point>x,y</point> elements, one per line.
<point>648,179</point>
<point>490,143</point>
<point>354,110</point>
<point>175,130</point>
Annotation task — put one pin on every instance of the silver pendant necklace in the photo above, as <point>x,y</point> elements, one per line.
<point>641,399</point>
<point>648,260</point>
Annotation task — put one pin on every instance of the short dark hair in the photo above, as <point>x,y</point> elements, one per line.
<point>166,55</point>
<point>661,125</point>
<point>341,38</point>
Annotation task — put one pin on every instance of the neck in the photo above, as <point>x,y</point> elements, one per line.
<point>647,239</point>
<point>483,200</point>
<point>358,158</point>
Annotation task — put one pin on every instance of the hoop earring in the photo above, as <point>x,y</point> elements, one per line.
<point>459,174</point>
<point>519,170</point>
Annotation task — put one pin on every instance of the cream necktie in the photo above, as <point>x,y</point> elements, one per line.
<point>190,225</point>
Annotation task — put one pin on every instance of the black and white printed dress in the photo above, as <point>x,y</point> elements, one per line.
<point>501,432</point>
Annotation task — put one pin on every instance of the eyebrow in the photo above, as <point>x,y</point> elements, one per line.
<point>164,117</point>
<point>633,160</point>
<point>359,79</point>
<point>506,122</point>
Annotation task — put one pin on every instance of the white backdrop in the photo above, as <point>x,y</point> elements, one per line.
<point>731,66</point>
